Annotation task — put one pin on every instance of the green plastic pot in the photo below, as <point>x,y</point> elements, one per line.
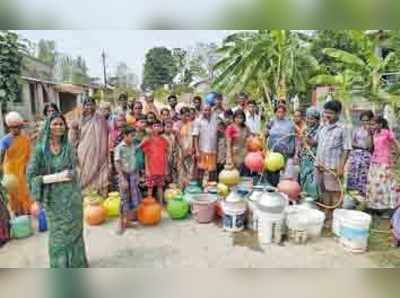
<point>178,208</point>
<point>191,191</point>
<point>21,227</point>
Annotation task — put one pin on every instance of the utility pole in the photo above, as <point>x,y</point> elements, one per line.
<point>103,56</point>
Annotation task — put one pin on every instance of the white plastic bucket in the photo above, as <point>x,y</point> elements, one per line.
<point>265,225</point>
<point>338,215</point>
<point>234,217</point>
<point>354,231</point>
<point>305,219</point>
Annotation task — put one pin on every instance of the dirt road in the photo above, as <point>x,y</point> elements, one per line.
<point>177,244</point>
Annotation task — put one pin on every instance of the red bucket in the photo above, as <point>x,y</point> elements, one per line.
<point>203,208</point>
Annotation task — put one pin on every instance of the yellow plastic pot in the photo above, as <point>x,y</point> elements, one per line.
<point>112,204</point>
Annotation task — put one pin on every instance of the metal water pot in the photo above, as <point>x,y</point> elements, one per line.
<point>252,220</point>
<point>272,201</point>
<point>256,193</point>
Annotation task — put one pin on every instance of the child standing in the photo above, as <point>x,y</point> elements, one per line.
<point>170,136</point>
<point>155,149</point>
<point>140,126</point>
<point>125,164</point>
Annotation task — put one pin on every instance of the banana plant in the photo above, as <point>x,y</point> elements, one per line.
<point>278,61</point>
<point>363,73</point>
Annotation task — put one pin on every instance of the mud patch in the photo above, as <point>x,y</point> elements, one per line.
<point>247,239</point>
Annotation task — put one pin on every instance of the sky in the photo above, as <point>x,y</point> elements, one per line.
<point>122,14</point>
<point>127,46</point>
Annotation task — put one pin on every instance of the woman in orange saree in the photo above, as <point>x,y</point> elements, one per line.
<point>15,151</point>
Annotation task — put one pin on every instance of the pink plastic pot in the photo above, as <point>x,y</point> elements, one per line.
<point>203,208</point>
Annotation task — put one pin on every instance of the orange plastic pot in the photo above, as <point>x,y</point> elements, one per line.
<point>149,211</point>
<point>95,214</point>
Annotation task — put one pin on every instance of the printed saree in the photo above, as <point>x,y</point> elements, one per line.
<point>62,202</point>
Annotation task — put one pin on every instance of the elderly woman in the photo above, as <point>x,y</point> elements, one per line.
<point>89,135</point>
<point>307,153</point>
<point>62,200</point>
<point>15,151</point>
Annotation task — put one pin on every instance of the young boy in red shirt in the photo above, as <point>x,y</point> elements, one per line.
<point>155,149</point>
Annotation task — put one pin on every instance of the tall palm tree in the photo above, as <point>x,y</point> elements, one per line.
<point>277,61</point>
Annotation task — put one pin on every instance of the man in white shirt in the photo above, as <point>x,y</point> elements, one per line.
<point>241,100</point>
<point>253,120</point>
<point>205,129</point>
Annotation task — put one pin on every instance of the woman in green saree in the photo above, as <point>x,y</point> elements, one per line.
<point>307,152</point>
<point>62,200</point>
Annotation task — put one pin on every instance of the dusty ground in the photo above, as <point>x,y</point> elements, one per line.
<point>176,244</point>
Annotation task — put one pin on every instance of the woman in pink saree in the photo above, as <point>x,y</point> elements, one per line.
<point>89,134</point>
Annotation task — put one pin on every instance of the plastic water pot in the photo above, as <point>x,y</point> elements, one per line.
<point>21,227</point>
<point>42,221</point>
<point>234,216</point>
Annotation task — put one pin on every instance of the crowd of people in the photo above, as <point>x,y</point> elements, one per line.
<point>138,149</point>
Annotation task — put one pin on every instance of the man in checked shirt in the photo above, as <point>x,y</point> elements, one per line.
<point>334,145</point>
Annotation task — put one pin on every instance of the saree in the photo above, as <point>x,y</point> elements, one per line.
<point>359,161</point>
<point>115,138</point>
<point>62,202</point>
<point>91,140</point>
<point>15,163</point>
<point>307,177</point>
<point>172,176</point>
<point>383,191</point>
<point>4,219</point>
<point>185,161</point>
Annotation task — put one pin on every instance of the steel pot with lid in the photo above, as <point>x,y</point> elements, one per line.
<point>256,192</point>
<point>272,201</point>
<point>234,200</point>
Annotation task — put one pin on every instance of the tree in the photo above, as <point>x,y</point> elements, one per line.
<point>345,40</point>
<point>159,68</point>
<point>363,73</point>
<point>11,54</point>
<point>70,70</point>
<point>202,58</point>
<point>277,62</point>
<point>79,71</point>
<point>180,56</point>
<point>47,51</point>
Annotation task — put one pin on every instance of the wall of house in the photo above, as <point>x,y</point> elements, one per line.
<point>24,107</point>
